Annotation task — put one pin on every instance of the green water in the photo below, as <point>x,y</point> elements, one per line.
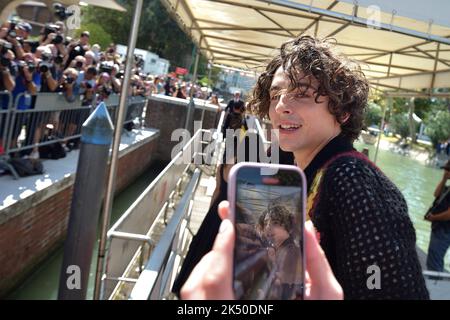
<point>417,182</point>
<point>43,283</point>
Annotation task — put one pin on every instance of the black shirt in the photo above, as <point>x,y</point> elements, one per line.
<point>363,222</point>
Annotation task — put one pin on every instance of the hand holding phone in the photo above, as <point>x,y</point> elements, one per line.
<point>267,206</point>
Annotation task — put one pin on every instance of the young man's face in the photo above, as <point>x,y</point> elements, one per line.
<point>276,233</point>
<point>303,125</point>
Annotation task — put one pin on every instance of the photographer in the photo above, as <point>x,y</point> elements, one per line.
<point>116,80</point>
<point>68,84</point>
<point>79,63</point>
<point>11,35</point>
<point>7,81</point>
<point>87,83</point>
<point>53,38</point>
<point>23,30</point>
<point>104,87</point>
<point>90,58</point>
<point>78,48</point>
<point>48,73</point>
<point>28,82</point>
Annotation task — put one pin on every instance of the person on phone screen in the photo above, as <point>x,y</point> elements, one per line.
<point>212,277</point>
<point>277,228</point>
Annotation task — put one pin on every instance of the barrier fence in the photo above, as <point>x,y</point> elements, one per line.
<point>30,122</point>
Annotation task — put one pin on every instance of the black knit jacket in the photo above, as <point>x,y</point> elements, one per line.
<point>362,219</point>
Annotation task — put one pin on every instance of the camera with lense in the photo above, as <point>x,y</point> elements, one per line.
<point>106,67</point>
<point>4,47</point>
<point>44,66</point>
<point>58,39</point>
<point>59,59</point>
<point>31,66</point>
<point>61,12</point>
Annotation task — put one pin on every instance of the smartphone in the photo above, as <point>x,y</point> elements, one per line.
<point>267,207</point>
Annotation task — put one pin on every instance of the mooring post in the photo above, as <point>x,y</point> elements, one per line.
<point>96,137</point>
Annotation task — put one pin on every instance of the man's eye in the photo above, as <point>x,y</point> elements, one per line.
<point>275,97</point>
<point>302,95</point>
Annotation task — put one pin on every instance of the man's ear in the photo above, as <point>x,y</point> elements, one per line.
<point>345,117</point>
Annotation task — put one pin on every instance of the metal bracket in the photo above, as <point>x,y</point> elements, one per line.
<point>394,12</point>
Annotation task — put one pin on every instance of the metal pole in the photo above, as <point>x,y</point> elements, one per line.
<point>115,149</point>
<point>389,105</point>
<point>88,189</point>
<point>191,106</point>
<point>207,88</point>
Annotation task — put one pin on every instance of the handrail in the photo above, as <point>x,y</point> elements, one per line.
<point>139,220</point>
<point>51,107</point>
<point>261,132</point>
<point>156,267</point>
<point>443,275</point>
<point>152,185</point>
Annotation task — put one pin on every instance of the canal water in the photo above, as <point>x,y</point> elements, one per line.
<point>43,283</point>
<point>416,181</point>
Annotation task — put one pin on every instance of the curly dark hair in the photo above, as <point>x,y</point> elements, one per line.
<point>340,78</point>
<point>279,215</point>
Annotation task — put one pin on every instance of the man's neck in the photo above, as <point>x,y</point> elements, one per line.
<point>304,157</point>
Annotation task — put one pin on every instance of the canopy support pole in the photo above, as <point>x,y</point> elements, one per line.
<point>389,105</point>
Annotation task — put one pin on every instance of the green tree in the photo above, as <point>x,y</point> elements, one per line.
<point>97,34</point>
<point>373,114</point>
<point>158,32</point>
<point>438,126</point>
<point>400,124</point>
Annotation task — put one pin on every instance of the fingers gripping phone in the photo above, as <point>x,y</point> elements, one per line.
<point>267,206</point>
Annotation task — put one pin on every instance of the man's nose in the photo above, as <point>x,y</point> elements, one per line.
<point>283,105</point>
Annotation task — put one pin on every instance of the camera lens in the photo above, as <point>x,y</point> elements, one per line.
<point>59,60</point>
<point>43,68</point>
<point>58,39</point>
<point>5,62</point>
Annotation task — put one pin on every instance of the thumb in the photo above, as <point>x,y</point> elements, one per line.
<point>224,243</point>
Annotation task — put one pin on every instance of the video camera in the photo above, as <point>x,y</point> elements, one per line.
<point>4,47</point>
<point>31,66</point>
<point>61,12</point>
<point>106,67</point>
<point>12,31</point>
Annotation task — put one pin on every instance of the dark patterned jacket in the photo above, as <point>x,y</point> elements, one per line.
<point>362,219</point>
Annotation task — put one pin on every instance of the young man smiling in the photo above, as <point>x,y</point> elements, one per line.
<point>316,99</point>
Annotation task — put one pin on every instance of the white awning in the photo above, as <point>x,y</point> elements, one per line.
<point>401,50</point>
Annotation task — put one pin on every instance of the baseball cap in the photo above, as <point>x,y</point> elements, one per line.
<point>25,26</point>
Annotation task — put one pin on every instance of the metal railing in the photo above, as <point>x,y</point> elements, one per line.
<point>6,102</point>
<point>30,122</point>
<point>156,279</point>
<point>129,239</point>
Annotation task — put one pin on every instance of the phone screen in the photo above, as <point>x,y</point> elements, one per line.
<point>268,256</point>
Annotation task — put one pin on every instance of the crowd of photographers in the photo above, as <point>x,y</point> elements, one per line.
<point>57,63</point>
